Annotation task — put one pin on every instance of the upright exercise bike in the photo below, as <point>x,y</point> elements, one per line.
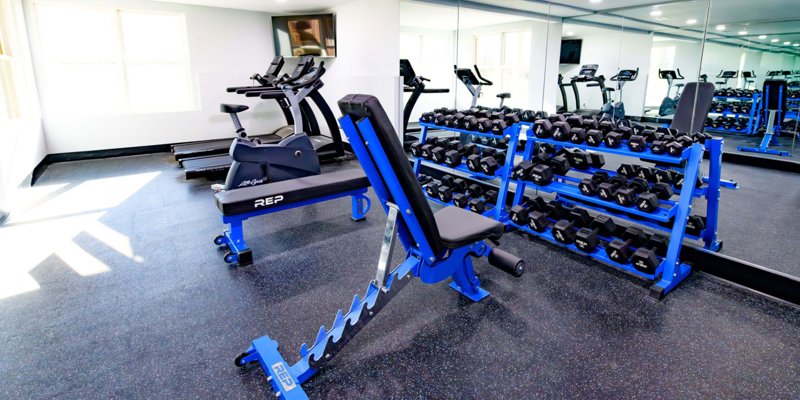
<point>616,111</point>
<point>669,103</point>
<point>475,83</point>
<point>293,157</point>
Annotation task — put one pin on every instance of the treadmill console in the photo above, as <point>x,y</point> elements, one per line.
<point>728,74</point>
<point>587,73</point>
<point>407,72</point>
<point>670,74</point>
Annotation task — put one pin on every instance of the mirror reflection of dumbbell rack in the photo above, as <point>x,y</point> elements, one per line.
<point>661,218</point>
<point>488,204</point>
<point>734,111</point>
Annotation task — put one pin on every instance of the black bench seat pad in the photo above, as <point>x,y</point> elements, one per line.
<point>240,201</point>
<point>459,227</point>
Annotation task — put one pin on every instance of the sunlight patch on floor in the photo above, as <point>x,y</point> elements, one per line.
<point>31,236</point>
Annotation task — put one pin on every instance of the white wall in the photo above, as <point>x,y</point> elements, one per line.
<point>22,142</point>
<point>611,49</point>
<point>368,45</point>
<point>225,48</point>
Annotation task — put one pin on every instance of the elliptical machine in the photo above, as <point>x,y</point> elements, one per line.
<point>669,103</point>
<point>616,111</point>
<point>293,157</point>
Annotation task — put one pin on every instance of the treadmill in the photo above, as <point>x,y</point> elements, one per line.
<point>220,146</point>
<point>414,84</point>
<point>588,75</point>
<point>294,91</point>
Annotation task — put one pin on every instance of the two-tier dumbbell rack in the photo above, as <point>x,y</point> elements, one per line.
<point>755,107</point>
<point>497,209</point>
<point>671,271</point>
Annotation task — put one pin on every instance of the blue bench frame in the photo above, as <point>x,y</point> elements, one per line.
<point>420,262</point>
<point>233,238</point>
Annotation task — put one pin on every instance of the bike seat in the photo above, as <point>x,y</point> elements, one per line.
<point>679,84</point>
<point>233,108</point>
<point>459,227</point>
<point>608,89</point>
<point>503,95</point>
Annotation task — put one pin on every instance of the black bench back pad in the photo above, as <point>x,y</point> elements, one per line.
<point>691,118</point>
<point>358,106</point>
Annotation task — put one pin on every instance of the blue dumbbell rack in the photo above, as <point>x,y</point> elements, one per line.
<point>497,210</point>
<point>671,271</point>
<point>752,125</point>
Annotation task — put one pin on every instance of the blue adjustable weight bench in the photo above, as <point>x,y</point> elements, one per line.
<point>438,247</point>
<point>240,204</point>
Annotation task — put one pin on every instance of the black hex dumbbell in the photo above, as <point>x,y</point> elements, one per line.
<point>628,170</point>
<point>593,137</point>
<point>498,126</point>
<point>519,213</point>
<point>577,135</point>
<point>560,165</point>
<point>438,154</point>
<point>489,165</point>
<point>432,188</point>
<point>589,186</point>
<point>543,129</point>
<point>587,239</point>
<point>469,123</point>
<point>484,125</point>
<point>613,139</point>
<point>564,230</point>
<point>620,251</point>
<point>626,196</point>
<point>650,200</point>
<point>645,258</point>
<point>561,131</point>
<point>541,174</point>
<point>461,199</point>
<point>474,162</point>
<point>537,219</point>
<point>522,171</point>
<point>637,143</point>
<point>416,149</point>
<point>695,225</point>
<point>606,190</point>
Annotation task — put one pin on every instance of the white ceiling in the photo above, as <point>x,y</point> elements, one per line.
<point>270,6</point>
<point>420,15</point>
<point>778,19</point>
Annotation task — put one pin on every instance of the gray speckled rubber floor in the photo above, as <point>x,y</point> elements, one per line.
<point>168,323</point>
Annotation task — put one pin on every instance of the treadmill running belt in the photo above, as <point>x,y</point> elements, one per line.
<point>184,151</point>
<point>207,166</point>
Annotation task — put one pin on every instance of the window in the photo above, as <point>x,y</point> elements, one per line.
<point>103,60</point>
<point>8,97</point>
<point>504,58</point>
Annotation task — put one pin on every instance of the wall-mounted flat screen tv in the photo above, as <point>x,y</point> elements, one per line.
<point>571,51</point>
<point>304,35</point>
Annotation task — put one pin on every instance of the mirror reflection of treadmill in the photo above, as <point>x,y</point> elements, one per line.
<point>588,75</point>
<point>414,84</point>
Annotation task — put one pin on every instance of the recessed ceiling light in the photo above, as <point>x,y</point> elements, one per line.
<point>721,27</point>
<point>796,45</point>
<point>655,13</point>
<point>691,21</point>
<point>762,36</point>
<point>595,1</point>
<point>743,32</point>
<point>787,43</point>
<point>776,40</point>
<point>570,33</point>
